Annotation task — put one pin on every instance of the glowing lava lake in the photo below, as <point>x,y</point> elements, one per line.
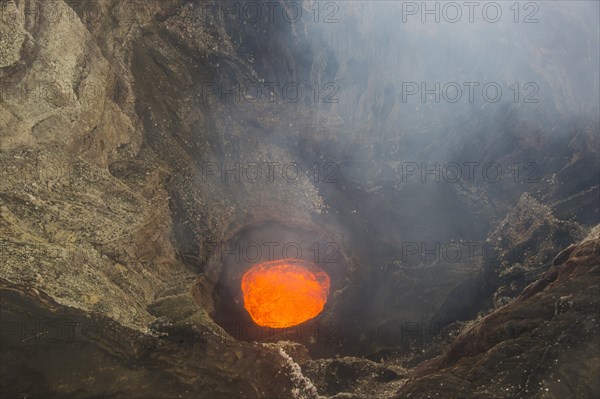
<point>284,293</point>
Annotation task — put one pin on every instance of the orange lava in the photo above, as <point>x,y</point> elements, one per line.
<point>284,293</point>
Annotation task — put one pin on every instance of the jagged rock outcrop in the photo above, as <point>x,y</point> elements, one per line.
<point>544,344</point>
<point>525,243</point>
<point>517,252</point>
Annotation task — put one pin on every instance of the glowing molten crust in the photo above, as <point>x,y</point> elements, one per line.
<point>284,293</point>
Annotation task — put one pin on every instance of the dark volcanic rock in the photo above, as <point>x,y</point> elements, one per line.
<point>544,344</point>
<point>517,252</point>
<point>525,243</point>
<point>353,377</point>
<point>65,352</point>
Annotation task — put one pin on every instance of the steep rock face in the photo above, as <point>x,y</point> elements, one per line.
<point>65,352</point>
<point>544,344</point>
<point>72,225</point>
<point>12,33</point>
<point>527,241</point>
<point>517,252</point>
